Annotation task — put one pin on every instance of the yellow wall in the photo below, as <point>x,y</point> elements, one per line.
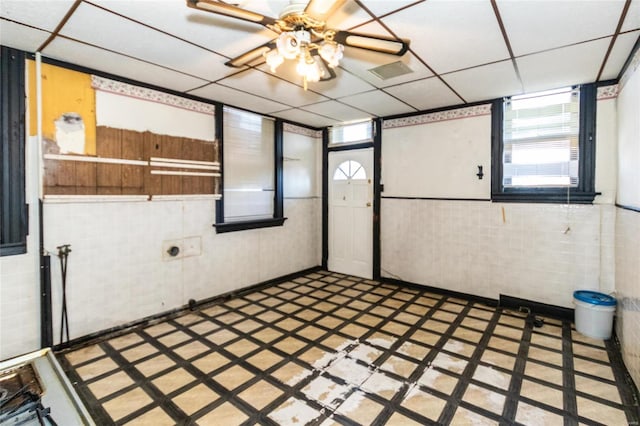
<point>63,91</point>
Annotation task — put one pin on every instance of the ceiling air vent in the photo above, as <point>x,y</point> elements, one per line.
<point>391,70</point>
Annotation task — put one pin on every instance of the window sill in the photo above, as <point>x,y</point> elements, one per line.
<point>252,224</point>
<point>552,197</point>
<point>13,249</point>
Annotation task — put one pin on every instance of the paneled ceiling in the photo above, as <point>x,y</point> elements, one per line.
<point>461,51</point>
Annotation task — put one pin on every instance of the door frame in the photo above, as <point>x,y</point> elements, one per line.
<point>377,191</point>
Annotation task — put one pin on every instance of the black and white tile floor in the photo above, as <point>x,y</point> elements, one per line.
<point>328,349</point>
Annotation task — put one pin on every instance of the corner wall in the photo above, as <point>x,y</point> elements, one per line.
<point>628,220</point>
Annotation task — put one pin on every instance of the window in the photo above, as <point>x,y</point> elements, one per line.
<point>13,210</point>
<point>252,175</point>
<point>350,170</point>
<point>543,148</point>
<point>361,132</point>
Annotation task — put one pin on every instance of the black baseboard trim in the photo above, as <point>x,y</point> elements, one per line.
<point>173,313</point>
<point>537,307</point>
<point>630,208</point>
<point>443,291</point>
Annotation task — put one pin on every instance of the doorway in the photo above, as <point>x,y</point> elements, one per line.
<point>350,196</point>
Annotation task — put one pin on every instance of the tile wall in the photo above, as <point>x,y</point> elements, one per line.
<point>117,272</point>
<point>540,252</point>
<point>628,289</point>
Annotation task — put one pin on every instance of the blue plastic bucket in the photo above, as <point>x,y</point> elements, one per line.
<point>594,313</point>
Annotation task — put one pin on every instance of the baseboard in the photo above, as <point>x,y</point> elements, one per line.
<point>173,313</point>
<point>537,307</point>
<point>471,297</point>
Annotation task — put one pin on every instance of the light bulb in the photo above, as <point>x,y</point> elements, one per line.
<point>331,52</point>
<point>274,59</point>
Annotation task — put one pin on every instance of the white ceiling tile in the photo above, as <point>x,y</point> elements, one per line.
<point>383,7</point>
<point>562,67</point>
<point>377,103</point>
<point>344,84</point>
<point>304,117</point>
<point>41,14</point>
<point>533,25</point>
<point>451,35</point>
<point>21,37</point>
<point>224,35</point>
<point>632,20</point>
<point>96,26</point>
<point>619,55</point>
<point>425,94</point>
<point>269,87</point>
<point>485,82</point>
<point>123,66</point>
<point>337,110</point>
<point>237,98</point>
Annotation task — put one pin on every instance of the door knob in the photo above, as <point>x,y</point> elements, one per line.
<point>368,204</point>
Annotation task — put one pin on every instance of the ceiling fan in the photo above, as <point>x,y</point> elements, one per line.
<point>304,37</point>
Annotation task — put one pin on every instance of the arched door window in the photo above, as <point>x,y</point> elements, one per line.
<point>350,170</point>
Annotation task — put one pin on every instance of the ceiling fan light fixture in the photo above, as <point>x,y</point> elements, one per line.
<point>288,45</point>
<point>331,52</point>
<point>274,59</point>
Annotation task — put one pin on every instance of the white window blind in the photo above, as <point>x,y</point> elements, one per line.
<point>248,166</point>
<point>351,133</point>
<point>540,139</point>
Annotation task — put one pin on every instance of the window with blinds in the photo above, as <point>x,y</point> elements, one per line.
<point>248,166</point>
<point>352,133</point>
<point>541,140</point>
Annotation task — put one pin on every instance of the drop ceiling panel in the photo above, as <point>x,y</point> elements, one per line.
<point>238,98</point>
<point>96,26</point>
<point>632,20</point>
<point>619,54</point>
<point>338,111</point>
<point>485,82</point>
<point>267,86</point>
<point>534,26</point>
<point>348,16</point>
<point>40,14</point>
<point>562,67</point>
<point>451,35</point>
<point>380,8</point>
<point>21,37</point>
<point>300,116</point>
<point>425,94</point>
<point>227,36</point>
<point>113,63</point>
<point>377,103</point>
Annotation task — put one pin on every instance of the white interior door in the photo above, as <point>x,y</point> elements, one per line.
<point>351,212</point>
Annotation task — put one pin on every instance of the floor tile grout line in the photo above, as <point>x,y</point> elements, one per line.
<point>510,407</point>
<point>629,395</point>
<point>570,405</point>
<point>458,393</point>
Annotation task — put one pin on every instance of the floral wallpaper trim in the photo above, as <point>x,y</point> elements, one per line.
<point>433,117</point>
<point>291,128</point>
<point>607,92</point>
<point>125,89</point>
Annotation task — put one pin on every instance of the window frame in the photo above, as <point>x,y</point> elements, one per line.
<point>14,224</point>
<point>278,211</point>
<point>584,192</point>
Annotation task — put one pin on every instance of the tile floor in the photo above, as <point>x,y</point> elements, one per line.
<point>328,349</point>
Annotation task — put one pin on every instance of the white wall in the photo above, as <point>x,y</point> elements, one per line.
<point>472,246</point>
<point>628,221</point>
<point>20,277</point>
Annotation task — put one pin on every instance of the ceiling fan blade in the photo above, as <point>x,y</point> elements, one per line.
<point>250,56</point>
<point>231,11</point>
<point>320,9</point>
<point>383,44</point>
